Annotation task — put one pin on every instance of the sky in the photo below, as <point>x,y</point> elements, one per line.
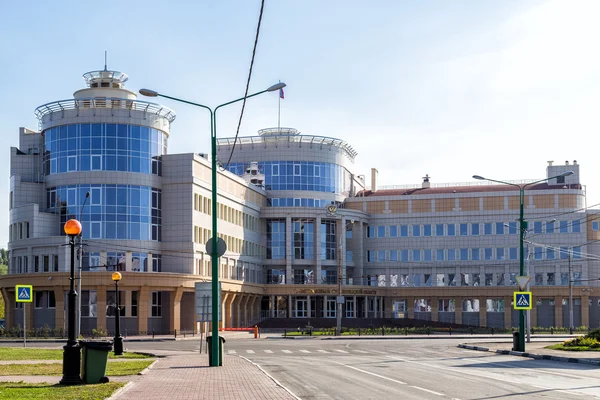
<point>445,88</point>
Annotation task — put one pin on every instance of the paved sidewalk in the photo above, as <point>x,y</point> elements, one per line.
<point>188,376</point>
<point>537,350</point>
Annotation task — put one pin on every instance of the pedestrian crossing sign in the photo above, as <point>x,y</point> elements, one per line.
<point>522,300</point>
<point>24,293</point>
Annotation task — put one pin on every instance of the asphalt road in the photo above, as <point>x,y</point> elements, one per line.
<point>402,369</point>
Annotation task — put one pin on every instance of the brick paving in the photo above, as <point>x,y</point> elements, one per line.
<point>185,376</point>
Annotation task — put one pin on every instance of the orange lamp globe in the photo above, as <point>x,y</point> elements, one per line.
<point>116,276</point>
<point>73,227</point>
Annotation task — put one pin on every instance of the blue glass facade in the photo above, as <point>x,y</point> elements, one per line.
<point>276,239</point>
<point>104,147</point>
<point>112,211</point>
<point>298,202</point>
<point>299,175</point>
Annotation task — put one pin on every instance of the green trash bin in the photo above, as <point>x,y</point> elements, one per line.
<point>94,359</point>
<point>209,342</point>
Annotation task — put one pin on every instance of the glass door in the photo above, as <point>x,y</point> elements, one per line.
<point>301,308</point>
<point>350,308</point>
<point>331,308</point>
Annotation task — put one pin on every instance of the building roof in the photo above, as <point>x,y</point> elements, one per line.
<point>460,189</point>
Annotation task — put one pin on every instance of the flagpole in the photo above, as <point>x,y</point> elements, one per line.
<point>279,110</point>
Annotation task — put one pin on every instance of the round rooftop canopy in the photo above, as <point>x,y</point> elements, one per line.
<point>109,78</point>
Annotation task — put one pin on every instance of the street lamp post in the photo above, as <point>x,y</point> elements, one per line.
<point>522,232</point>
<point>214,256</point>
<point>71,352</point>
<point>118,340</point>
<point>78,327</point>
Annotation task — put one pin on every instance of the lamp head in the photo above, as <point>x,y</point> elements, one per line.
<point>566,173</point>
<point>479,177</point>
<point>148,93</point>
<point>116,276</point>
<point>72,227</point>
<point>275,87</point>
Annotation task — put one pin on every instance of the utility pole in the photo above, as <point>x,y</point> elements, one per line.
<point>570,296</point>
<point>338,331</point>
<point>80,254</point>
<point>529,255</point>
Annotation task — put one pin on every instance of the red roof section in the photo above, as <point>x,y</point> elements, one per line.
<point>460,189</point>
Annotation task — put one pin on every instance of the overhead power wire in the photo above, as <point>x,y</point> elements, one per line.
<point>262,6</point>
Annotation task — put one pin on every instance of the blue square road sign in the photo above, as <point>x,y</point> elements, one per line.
<point>522,300</point>
<point>24,293</point>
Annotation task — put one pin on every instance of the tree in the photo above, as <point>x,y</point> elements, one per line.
<point>3,256</point>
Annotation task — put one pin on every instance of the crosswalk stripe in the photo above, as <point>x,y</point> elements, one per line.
<point>304,351</point>
<point>341,351</point>
<point>269,351</point>
<point>323,351</point>
<point>230,351</point>
<point>361,351</point>
<point>286,351</point>
<point>250,351</point>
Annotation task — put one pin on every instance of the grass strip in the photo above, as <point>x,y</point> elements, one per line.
<point>113,369</point>
<point>46,391</point>
<point>16,353</point>
<point>561,346</point>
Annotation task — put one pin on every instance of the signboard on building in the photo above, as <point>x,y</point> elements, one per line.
<point>203,298</point>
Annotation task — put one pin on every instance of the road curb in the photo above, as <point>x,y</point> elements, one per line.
<point>145,370</point>
<point>121,390</point>
<point>532,355</point>
<point>270,377</point>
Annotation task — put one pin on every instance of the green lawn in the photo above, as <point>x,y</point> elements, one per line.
<point>19,353</point>
<point>561,346</point>
<point>113,369</point>
<point>30,391</point>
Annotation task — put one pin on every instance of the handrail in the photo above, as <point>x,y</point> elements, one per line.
<point>104,102</point>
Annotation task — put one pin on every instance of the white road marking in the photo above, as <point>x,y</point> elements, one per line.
<point>361,351</point>
<point>250,351</point>
<point>286,351</point>
<point>304,351</point>
<point>341,351</point>
<point>380,352</point>
<point>230,351</point>
<point>371,373</point>
<point>323,351</point>
<point>269,351</point>
<point>427,390</point>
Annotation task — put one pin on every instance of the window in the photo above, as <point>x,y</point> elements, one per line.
<point>475,229</point>
<point>577,252</point>
<point>500,253</point>
<point>317,170</point>
<point>275,170</point>
<point>393,231</point>
<point>370,231</point>
<point>487,228</point>
<point>403,230</point>
<point>371,254</point>
<point>134,303</point>
<point>416,230</point>
<point>537,227</point>
<point>596,226</point>
<point>487,254</point>
<point>464,254</point>
<point>393,255</point>
<point>563,226</point>
<point>538,253</point>
<point>564,253</point>
<point>499,228</point>
<point>464,229</point>
<point>39,299</point>
<point>550,253</point>
<point>381,231</point>
<point>451,255</point>
<point>51,299</point>
<point>46,260</point>
<point>427,255</point>
<point>475,254</point>
<point>439,229</point>
<point>111,303</point>
<point>36,263</point>
<point>451,229</point>
<point>157,304</point>
<point>89,303</point>
<point>576,226</point>
<point>439,255</point>
<point>512,228</point>
<point>512,253</point>
<point>404,255</point>
<point>416,255</point>
<point>381,256</point>
<point>297,169</point>
<point>427,230</point>
<point>71,163</point>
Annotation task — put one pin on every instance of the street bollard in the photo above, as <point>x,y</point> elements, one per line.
<point>450,331</point>
<point>152,333</point>
<point>383,331</point>
<point>175,333</point>
<point>284,332</point>
<point>471,329</point>
<point>255,331</point>
<point>551,330</point>
<point>359,331</point>
<point>405,331</point>
<point>492,331</point>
